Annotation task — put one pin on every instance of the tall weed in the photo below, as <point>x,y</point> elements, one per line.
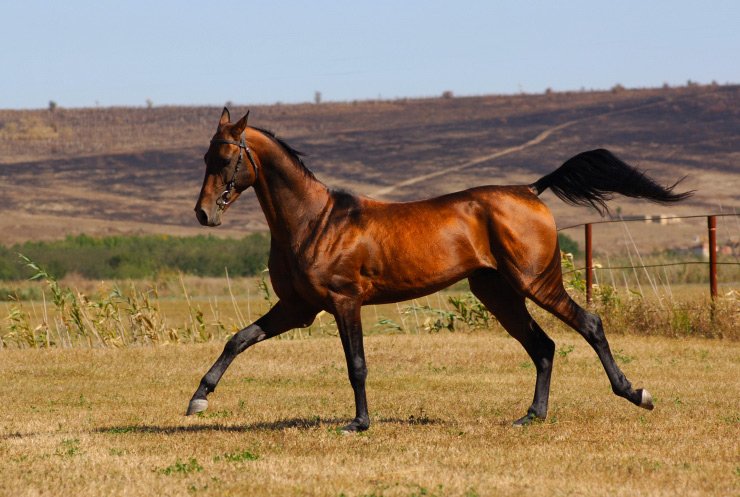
<point>132,315</point>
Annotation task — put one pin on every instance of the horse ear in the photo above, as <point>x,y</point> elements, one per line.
<point>242,124</point>
<point>225,117</point>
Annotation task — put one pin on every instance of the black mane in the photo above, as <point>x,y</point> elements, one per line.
<point>296,155</point>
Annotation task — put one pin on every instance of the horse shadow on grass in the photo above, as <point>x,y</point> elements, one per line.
<point>332,424</point>
<point>266,426</point>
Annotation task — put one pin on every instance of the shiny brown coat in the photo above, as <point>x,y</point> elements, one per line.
<point>336,252</point>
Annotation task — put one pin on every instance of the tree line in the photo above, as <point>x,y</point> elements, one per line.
<point>137,257</point>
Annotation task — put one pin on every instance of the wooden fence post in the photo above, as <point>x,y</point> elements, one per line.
<point>589,263</point>
<point>712,225</point>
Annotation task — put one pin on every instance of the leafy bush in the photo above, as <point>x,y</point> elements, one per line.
<point>135,257</point>
<point>567,244</point>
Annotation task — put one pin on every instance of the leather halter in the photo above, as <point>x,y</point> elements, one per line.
<point>223,199</point>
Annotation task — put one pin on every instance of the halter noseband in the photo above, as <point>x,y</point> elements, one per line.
<point>223,199</point>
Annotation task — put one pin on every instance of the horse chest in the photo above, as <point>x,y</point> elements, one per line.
<point>296,278</point>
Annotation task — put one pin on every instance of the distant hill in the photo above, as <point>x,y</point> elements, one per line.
<point>109,171</point>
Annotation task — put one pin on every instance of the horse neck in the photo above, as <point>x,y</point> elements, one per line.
<point>290,197</point>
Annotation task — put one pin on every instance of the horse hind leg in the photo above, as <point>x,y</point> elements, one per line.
<point>508,307</point>
<point>557,301</point>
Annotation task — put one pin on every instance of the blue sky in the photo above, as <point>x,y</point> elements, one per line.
<point>87,53</point>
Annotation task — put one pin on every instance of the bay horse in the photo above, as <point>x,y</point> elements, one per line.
<point>334,251</point>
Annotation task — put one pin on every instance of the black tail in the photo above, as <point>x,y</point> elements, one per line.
<point>591,178</point>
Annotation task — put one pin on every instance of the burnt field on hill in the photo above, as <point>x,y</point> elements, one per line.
<point>138,170</point>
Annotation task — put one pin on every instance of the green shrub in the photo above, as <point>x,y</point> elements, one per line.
<point>137,257</point>
<point>567,244</point>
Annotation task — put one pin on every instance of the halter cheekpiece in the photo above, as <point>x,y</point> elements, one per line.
<point>224,198</point>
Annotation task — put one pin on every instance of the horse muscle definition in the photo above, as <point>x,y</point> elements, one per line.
<point>336,252</point>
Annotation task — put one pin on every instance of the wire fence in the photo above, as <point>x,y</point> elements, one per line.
<point>712,249</point>
<point>637,219</point>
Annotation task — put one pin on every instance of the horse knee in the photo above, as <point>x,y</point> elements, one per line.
<point>357,371</point>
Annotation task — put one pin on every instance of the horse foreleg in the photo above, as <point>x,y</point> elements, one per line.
<point>281,318</point>
<point>350,331</point>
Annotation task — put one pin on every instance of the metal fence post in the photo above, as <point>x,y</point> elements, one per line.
<point>589,263</point>
<point>712,225</point>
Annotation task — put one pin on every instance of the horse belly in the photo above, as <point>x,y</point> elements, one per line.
<point>418,266</point>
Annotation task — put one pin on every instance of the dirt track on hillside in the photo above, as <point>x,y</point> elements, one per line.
<point>139,170</point>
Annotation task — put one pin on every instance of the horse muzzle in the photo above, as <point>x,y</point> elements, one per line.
<point>208,219</point>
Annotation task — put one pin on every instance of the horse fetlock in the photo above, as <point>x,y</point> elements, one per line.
<point>538,409</point>
<point>207,386</point>
<point>626,391</point>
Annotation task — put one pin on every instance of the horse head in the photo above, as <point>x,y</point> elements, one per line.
<point>230,169</point>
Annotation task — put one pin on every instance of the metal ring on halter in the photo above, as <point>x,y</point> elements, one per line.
<point>223,199</point>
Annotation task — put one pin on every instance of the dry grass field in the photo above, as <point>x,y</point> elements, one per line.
<point>109,422</point>
<point>95,419</point>
<point>106,418</point>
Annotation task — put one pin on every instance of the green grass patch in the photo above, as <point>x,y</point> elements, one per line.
<point>242,456</point>
<point>182,467</point>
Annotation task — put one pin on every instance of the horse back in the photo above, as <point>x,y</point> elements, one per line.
<point>389,251</point>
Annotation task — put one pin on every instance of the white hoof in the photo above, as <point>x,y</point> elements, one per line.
<point>646,402</point>
<point>196,406</point>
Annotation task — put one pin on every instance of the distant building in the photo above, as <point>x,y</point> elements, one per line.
<point>660,219</point>
<point>700,248</point>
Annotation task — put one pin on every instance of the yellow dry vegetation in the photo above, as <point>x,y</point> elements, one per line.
<point>31,128</point>
<point>109,421</point>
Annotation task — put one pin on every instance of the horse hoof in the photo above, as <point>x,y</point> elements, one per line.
<point>354,427</point>
<point>526,420</point>
<point>196,406</point>
<point>646,400</point>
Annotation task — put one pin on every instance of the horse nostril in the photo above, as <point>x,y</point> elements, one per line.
<point>202,216</point>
